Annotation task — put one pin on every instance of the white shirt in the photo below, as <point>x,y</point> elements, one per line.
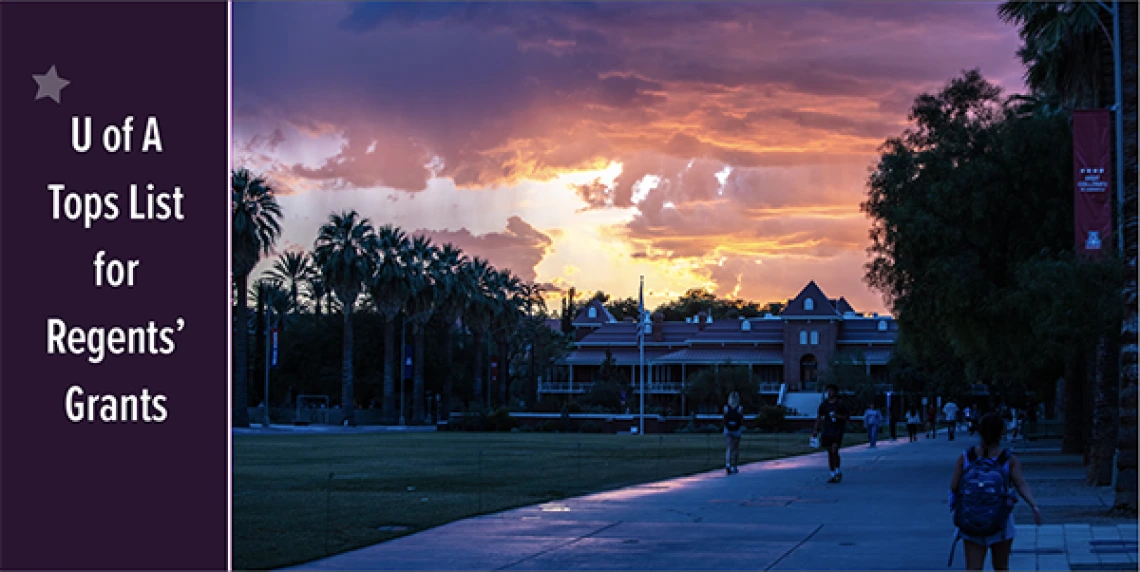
<point>951,411</point>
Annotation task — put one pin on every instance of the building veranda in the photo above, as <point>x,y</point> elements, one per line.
<point>783,354</point>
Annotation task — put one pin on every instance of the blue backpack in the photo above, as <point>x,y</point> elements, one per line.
<point>984,500</point>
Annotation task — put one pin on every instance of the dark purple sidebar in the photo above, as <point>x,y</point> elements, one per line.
<point>113,494</point>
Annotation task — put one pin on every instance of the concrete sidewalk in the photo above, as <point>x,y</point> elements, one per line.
<point>889,513</point>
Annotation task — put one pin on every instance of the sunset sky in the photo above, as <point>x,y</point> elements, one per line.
<point>723,146</point>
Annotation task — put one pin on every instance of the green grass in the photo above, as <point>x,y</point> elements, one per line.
<point>302,497</point>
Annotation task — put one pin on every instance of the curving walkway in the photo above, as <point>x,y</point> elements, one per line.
<point>889,513</point>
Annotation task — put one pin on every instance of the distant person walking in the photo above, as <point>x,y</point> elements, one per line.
<point>733,429</point>
<point>981,498</point>
<point>931,421</point>
<point>951,412</point>
<point>833,416</point>
<point>912,422</point>
<point>871,420</point>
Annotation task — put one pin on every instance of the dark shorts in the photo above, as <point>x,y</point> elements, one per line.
<point>826,441</point>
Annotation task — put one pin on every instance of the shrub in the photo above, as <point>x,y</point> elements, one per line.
<point>501,420</point>
<point>591,426</point>
<point>770,418</point>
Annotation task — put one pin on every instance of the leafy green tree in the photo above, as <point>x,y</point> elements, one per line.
<point>608,384</point>
<point>1067,53</point>
<point>255,228</point>
<point>621,309</point>
<point>961,203</point>
<point>709,387</point>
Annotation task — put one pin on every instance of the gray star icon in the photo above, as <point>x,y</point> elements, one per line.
<point>49,84</point>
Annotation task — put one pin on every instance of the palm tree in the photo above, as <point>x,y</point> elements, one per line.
<point>1064,45</point>
<point>256,226</point>
<point>478,313</point>
<point>390,288</point>
<point>345,255</point>
<point>507,306</point>
<point>421,261</point>
<point>454,292</point>
<point>292,269</point>
<point>1067,53</point>
<point>315,288</point>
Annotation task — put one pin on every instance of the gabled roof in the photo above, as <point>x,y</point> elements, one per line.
<point>822,307</point>
<point>601,315</point>
<point>843,306</point>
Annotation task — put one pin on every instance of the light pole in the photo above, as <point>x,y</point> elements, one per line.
<point>268,346</point>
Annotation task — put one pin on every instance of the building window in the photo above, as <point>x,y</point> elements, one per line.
<point>882,325</point>
<point>809,305</point>
<point>592,312</point>
<point>803,338</point>
<point>814,338</point>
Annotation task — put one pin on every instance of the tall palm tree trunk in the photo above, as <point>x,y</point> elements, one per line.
<point>388,411</point>
<point>1126,477</point>
<point>478,345</point>
<point>418,374</point>
<point>504,373</point>
<point>1102,446</point>
<point>448,384</point>
<point>1073,441</point>
<point>241,355</point>
<point>346,398</point>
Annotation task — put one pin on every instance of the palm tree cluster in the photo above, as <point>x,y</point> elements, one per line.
<point>357,267</point>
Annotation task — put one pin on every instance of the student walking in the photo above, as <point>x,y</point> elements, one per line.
<point>733,429</point>
<point>931,422</point>
<point>871,420</point>
<point>982,501</point>
<point>912,422</point>
<point>951,412</point>
<point>833,415</point>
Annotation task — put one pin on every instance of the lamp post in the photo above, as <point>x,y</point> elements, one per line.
<point>268,349</point>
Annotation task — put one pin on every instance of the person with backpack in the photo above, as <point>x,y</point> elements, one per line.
<point>982,499</point>
<point>833,415</point>
<point>733,430</point>
<point>871,420</point>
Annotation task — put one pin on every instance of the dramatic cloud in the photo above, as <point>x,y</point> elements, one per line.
<point>520,247</point>
<point>729,132</point>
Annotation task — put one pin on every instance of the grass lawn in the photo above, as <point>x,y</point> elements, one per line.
<point>300,497</point>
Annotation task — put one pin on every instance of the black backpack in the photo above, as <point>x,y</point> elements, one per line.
<point>733,418</point>
<point>984,499</point>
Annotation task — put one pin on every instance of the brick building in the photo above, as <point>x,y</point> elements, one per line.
<point>785,353</point>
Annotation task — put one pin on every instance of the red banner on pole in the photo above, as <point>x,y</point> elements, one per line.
<point>1092,174</point>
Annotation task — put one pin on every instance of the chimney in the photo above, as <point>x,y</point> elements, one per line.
<point>701,321</point>
<point>658,327</point>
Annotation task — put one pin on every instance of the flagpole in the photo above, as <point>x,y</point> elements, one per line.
<point>641,348</point>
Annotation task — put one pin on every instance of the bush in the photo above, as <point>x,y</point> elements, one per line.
<point>770,418</point>
<point>473,421</point>
<point>591,426</point>
<point>551,426</point>
<point>501,420</point>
